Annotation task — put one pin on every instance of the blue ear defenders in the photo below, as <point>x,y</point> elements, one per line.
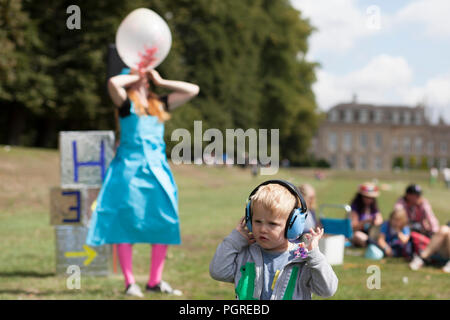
<point>296,220</point>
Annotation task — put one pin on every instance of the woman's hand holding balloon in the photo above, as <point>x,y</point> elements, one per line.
<point>155,77</point>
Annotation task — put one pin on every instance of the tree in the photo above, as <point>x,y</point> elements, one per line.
<point>247,69</point>
<point>24,85</point>
<point>424,163</point>
<point>412,162</point>
<point>288,102</point>
<point>243,54</point>
<point>398,163</point>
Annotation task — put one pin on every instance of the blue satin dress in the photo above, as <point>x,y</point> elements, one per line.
<point>138,201</point>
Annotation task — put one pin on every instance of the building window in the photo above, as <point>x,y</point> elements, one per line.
<point>395,117</point>
<point>407,144</point>
<point>363,140</point>
<point>332,141</point>
<point>442,163</point>
<point>418,119</point>
<point>378,140</point>
<point>334,115</point>
<point>418,145</point>
<point>378,116</point>
<point>349,162</point>
<point>348,141</point>
<point>333,161</point>
<point>363,116</point>
<point>407,118</point>
<point>430,147</point>
<point>394,145</point>
<point>378,163</point>
<point>443,146</point>
<point>406,162</point>
<point>348,116</point>
<point>362,162</point>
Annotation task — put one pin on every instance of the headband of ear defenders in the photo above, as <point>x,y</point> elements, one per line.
<point>292,189</point>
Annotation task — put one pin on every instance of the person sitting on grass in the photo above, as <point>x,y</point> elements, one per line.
<point>263,264</point>
<point>365,213</point>
<point>395,234</point>
<point>309,193</point>
<point>431,242</point>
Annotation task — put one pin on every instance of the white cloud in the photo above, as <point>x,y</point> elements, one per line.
<point>340,23</point>
<point>384,80</point>
<point>434,93</point>
<point>434,14</point>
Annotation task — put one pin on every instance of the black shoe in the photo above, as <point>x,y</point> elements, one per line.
<point>163,287</point>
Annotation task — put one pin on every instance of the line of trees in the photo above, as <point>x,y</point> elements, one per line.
<point>247,56</point>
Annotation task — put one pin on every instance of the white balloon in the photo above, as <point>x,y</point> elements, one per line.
<point>143,37</point>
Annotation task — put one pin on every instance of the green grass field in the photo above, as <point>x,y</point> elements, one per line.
<point>211,203</point>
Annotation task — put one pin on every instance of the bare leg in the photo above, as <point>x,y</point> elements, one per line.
<point>360,238</point>
<point>446,268</point>
<point>448,245</point>
<point>438,240</point>
<point>445,250</point>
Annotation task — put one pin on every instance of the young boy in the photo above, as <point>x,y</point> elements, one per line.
<point>263,264</point>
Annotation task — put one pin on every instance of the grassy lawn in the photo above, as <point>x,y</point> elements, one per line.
<point>211,202</point>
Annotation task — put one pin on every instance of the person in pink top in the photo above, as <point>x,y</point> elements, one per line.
<point>427,236</point>
<point>420,213</point>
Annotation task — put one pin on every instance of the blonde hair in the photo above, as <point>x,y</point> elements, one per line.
<point>307,192</point>
<point>399,213</point>
<point>275,198</point>
<point>155,107</point>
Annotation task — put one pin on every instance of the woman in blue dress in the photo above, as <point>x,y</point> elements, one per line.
<point>138,201</point>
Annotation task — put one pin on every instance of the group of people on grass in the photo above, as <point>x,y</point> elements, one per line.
<point>412,230</point>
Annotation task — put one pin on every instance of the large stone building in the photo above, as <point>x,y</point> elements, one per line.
<point>369,137</point>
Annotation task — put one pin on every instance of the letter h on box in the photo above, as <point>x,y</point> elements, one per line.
<point>85,156</point>
<point>84,159</point>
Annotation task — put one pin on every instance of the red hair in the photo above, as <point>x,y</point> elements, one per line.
<point>155,106</point>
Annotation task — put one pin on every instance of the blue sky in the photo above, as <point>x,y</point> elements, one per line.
<point>385,52</point>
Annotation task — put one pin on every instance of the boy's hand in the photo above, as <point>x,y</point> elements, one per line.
<point>242,228</point>
<point>313,238</point>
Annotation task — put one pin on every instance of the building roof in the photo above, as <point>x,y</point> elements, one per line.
<point>387,114</point>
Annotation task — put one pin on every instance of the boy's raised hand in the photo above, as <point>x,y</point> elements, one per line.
<point>313,238</point>
<point>242,228</point>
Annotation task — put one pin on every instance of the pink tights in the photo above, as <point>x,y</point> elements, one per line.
<point>158,256</point>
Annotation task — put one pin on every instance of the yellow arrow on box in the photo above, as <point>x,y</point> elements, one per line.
<point>88,252</point>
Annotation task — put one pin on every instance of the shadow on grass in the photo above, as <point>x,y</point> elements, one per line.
<point>26,274</point>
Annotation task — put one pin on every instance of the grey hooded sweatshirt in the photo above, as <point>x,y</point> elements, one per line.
<point>237,261</point>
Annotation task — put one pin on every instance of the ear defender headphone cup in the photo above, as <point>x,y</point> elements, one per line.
<point>248,216</point>
<point>296,225</point>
